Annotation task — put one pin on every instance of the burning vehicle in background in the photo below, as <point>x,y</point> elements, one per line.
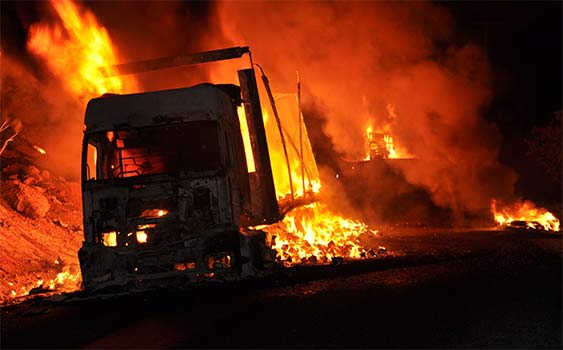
<point>524,216</point>
<point>525,225</point>
<point>167,197</point>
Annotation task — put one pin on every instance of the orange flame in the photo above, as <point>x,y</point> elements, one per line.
<point>68,280</point>
<point>75,49</point>
<point>313,232</point>
<point>380,144</point>
<point>526,212</point>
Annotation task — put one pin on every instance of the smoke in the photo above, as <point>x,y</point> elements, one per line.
<point>357,58</point>
<point>51,117</point>
<point>143,30</point>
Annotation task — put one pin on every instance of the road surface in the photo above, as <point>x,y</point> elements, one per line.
<point>434,289</point>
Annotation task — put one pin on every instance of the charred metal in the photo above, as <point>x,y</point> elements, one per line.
<point>167,198</point>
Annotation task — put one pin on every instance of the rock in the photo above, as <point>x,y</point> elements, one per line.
<point>22,172</point>
<point>13,170</point>
<point>60,223</point>
<point>32,171</point>
<point>28,200</point>
<point>29,180</point>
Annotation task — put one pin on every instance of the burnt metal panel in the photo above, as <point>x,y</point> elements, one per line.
<point>264,202</point>
<point>176,61</point>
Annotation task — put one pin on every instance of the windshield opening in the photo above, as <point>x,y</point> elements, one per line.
<point>166,149</point>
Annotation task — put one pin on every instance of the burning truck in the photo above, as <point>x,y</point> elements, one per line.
<point>166,193</point>
<point>181,185</point>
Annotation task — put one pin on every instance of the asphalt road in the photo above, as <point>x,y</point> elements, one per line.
<point>435,289</point>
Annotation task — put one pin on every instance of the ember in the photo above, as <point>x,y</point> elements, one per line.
<point>40,150</point>
<point>67,280</point>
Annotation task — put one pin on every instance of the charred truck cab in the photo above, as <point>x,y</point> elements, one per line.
<point>167,195</point>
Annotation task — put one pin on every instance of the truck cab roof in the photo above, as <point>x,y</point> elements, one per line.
<point>200,102</point>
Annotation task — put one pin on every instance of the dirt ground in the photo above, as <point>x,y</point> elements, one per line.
<point>41,251</point>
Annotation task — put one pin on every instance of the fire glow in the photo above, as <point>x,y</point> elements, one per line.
<point>67,280</point>
<point>79,45</point>
<point>309,233</point>
<point>379,142</point>
<point>39,149</point>
<point>76,46</point>
<point>525,212</point>
<point>313,234</point>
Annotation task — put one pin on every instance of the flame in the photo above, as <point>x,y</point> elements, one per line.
<point>525,211</point>
<point>304,182</point>
<point>314,232</point>
<point>109,239</point>
<point>75,49</point>
<point>379,142</point>
<point>152,213</point>
<point>250,165</point>
<point>310,233</point>
<point>77,46</point>
<point>141,236</point>
<point>68,280</point>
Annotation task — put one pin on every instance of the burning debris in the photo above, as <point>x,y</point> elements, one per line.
<point>380,143</point>
<point>524,215</point>
<point>313,234</point>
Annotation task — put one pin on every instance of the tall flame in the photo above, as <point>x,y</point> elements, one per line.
<point>527,213</point>
<point>75,49</point>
